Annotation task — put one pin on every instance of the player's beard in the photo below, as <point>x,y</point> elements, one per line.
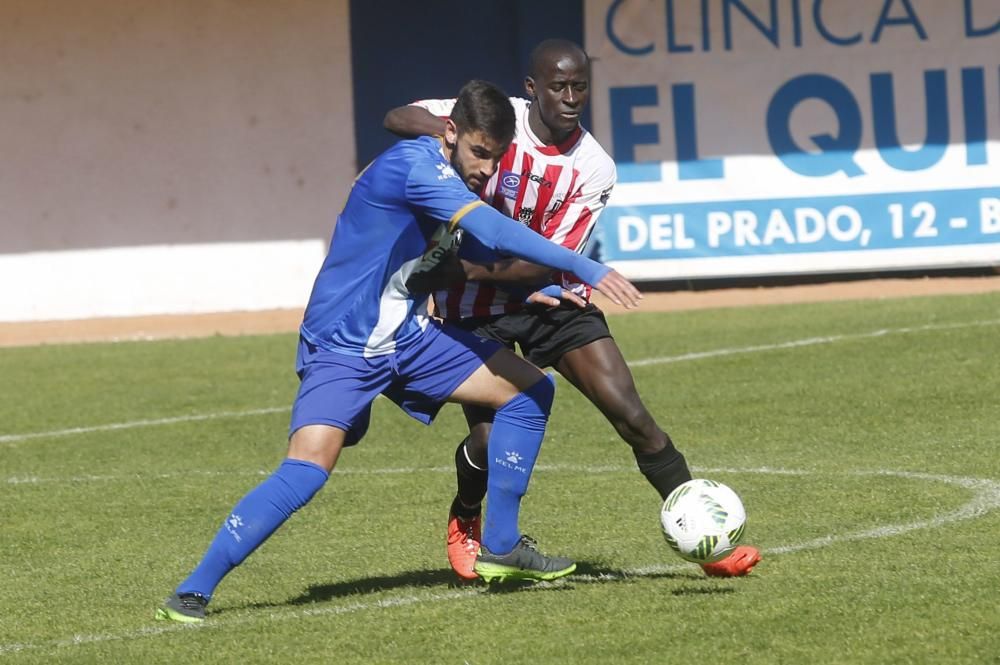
<point>460,169</point>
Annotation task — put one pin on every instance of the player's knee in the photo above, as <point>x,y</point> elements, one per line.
<point>531,405</point>
<point>544,393</point>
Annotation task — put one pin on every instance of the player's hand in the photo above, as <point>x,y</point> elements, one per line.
<point>436,276</point>
<point>553,296</point>
<point>619,290</point>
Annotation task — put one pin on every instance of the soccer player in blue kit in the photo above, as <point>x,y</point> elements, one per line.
<point>364,333</point>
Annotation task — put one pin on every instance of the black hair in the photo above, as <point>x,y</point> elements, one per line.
<point>554,48</point>
<point>482,106</point>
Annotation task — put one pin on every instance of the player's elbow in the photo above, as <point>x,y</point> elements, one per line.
<point>393,122</point>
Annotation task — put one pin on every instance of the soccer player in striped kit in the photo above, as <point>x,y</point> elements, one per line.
<point>556,179</point>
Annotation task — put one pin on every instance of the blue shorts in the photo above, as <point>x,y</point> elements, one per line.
<point>338,389</point>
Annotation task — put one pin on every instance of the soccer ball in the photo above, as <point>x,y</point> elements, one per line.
<point>703,520</point>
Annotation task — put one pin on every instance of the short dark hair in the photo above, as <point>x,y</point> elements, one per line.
<point>482,106</point>
<point>554,49</point>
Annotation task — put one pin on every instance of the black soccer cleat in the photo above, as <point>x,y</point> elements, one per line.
<point>183,607</point>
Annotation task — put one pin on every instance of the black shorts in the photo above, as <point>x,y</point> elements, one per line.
<point>543,335</point>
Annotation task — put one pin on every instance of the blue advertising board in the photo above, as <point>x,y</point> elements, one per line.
<point>766,137</point>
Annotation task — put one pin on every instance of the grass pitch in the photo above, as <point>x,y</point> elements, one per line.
<point>862,437</point>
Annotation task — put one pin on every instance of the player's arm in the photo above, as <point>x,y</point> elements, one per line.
<point>506,271</point>
<point>424,118</point>
<point>501,233</point>
<point>439,193</point>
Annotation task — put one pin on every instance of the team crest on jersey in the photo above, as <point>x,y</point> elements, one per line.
<point>510,182</point>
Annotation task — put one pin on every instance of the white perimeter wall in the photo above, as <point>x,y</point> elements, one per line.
<point>169,157</point>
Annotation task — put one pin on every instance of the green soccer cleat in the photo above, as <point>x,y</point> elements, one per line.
<point>524,562</point>
<point>183,608</point>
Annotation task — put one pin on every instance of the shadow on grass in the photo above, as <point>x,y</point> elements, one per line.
<point>411,579</point>
<point>586,573</point>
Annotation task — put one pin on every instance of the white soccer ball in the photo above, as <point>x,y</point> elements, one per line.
<point>703,520</point>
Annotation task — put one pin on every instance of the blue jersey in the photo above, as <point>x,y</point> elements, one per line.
<point>405,198</point>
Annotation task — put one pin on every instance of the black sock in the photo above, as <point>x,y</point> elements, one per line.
<point>471,484</point>
<point>664,470</point>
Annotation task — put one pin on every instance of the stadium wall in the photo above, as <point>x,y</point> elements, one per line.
<point>174,157</point>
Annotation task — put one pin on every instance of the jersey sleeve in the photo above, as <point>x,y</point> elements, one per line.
<point>439,107</point>
<point>576,218</point>
<point>499,232</point>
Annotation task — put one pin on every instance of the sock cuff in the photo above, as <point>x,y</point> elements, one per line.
<point>303,479</point>
<point>300,465</point>
<point>665,456</point>
<point>536,400</point>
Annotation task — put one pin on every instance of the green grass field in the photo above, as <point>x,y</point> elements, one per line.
<point>862,436</point>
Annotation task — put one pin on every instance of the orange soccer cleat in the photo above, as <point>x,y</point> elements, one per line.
<point>737,564</point>
<point>463,544</point>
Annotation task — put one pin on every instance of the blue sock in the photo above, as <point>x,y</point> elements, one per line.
<point>254,518</point>
<point>518,429</point>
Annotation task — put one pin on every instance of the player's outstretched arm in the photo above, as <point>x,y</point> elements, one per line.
<point>413,121</point>
<point>498,232</point>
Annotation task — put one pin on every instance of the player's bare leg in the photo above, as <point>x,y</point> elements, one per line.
<point>319,444</point>
<point>599,371</point>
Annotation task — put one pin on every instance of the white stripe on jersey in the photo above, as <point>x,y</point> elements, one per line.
<point>393,306</point>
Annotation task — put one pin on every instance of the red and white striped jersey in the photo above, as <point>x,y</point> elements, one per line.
<point>557,190</point>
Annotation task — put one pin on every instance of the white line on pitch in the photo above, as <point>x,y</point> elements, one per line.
<point>698,355</point>
<point>132,424</point>
<point>809,341</point>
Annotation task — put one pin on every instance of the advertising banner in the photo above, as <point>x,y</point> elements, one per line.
<point>769,137</point>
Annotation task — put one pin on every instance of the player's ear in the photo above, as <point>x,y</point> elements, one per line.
<point>450,132</point>
<point>529,86</point>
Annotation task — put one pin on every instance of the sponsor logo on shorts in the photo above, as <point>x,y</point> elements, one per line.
<point>510,182</point>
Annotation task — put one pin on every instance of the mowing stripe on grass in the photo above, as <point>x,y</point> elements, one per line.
<point>809,341</point>
<point>985,499</point>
